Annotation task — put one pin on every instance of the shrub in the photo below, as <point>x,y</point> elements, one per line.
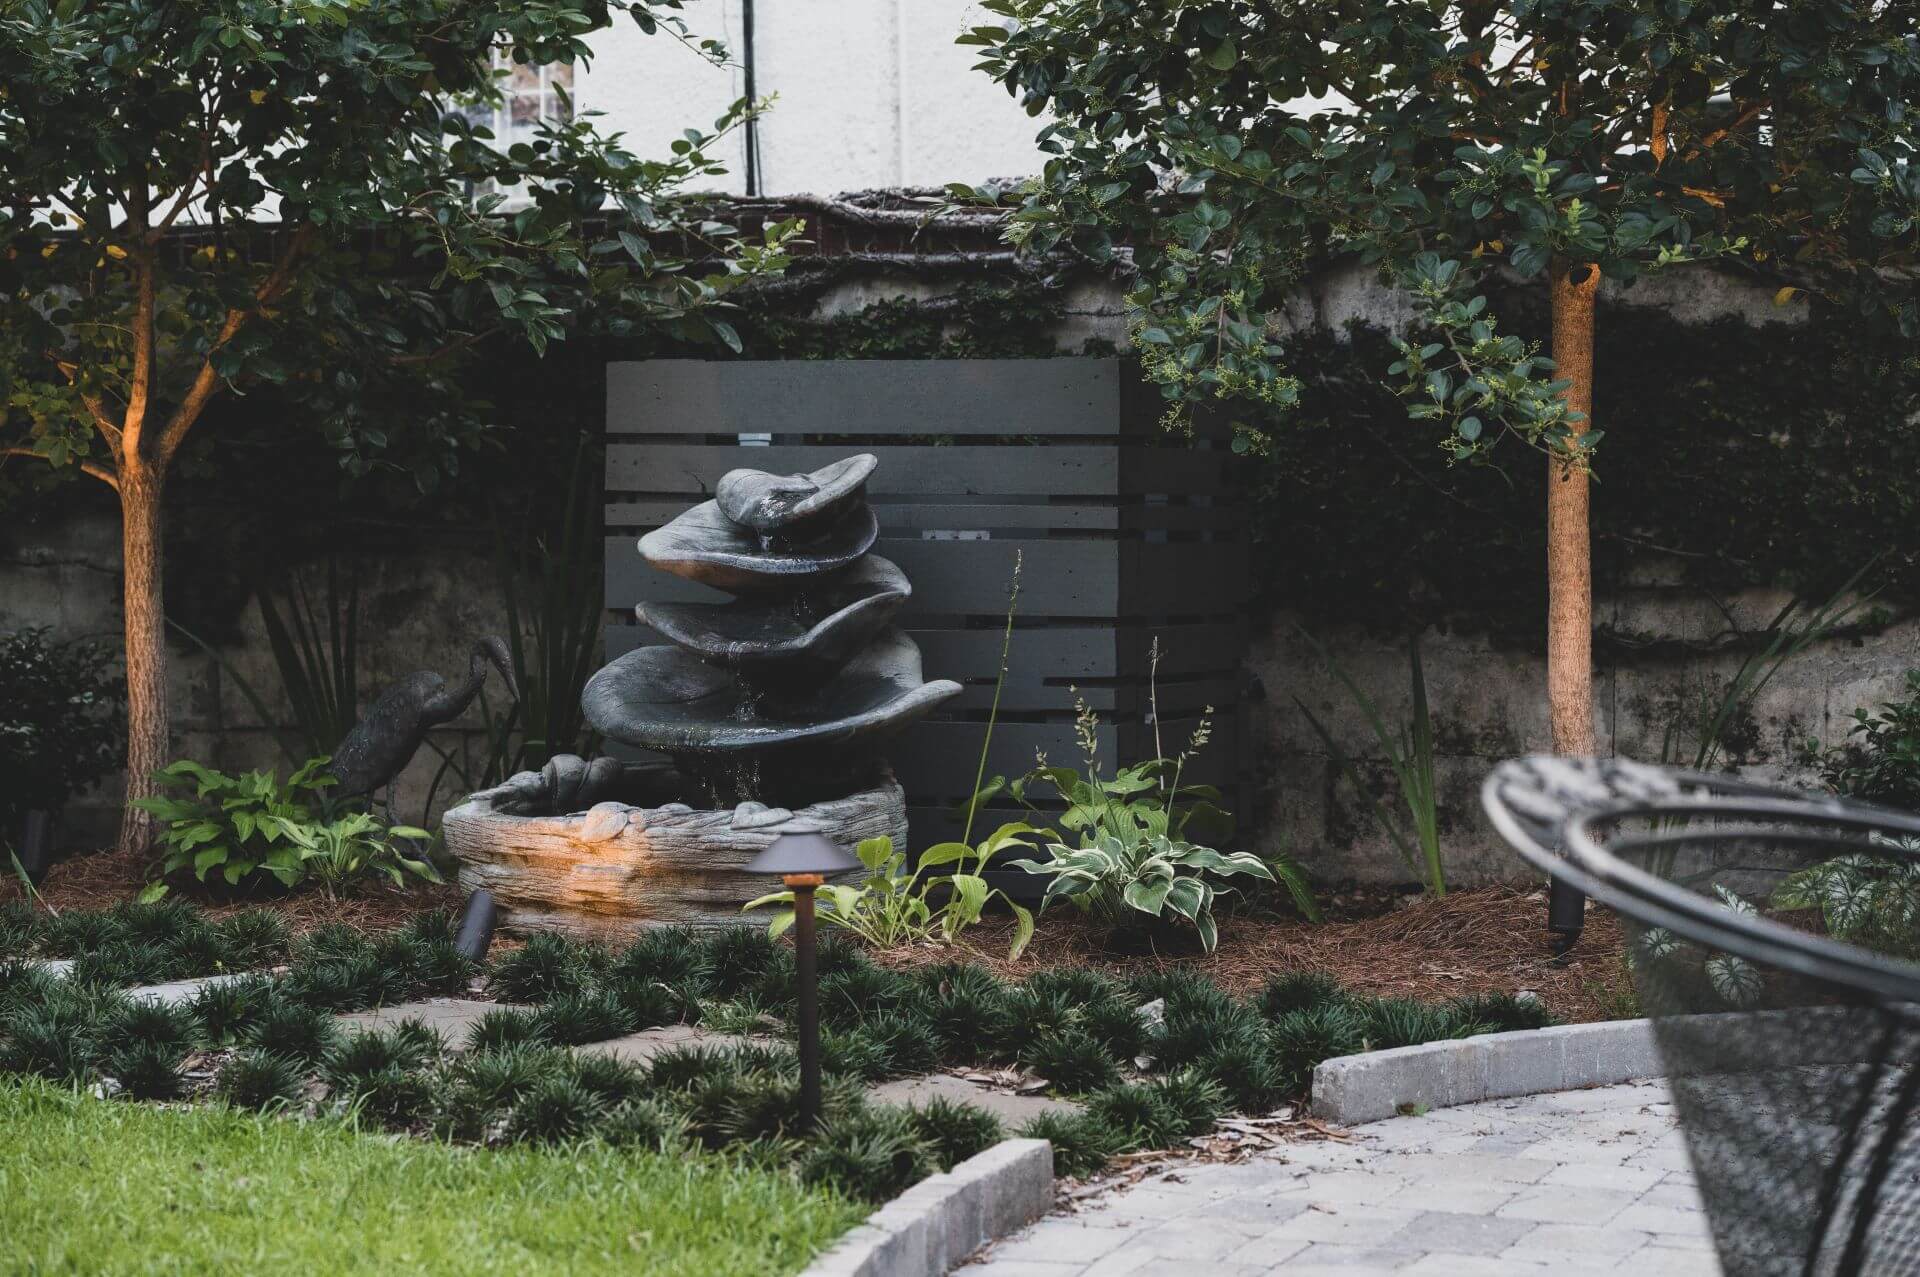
<point>1880,759</point>
<point>1194,1028</point>
<point>683,1068</point>
<point>23,984</point>
<point>953,1132</point>
<point>1504,1012</point>
<point>225,1011</point>
<point>607,1076</point>
<point>1082,1143</point>
<point>504,1028</point>
<point>1195,1099</point>
<point>22,928</point>
<point>148,1070</point>
<point>966,1008</point>
<point>1140,1115</point>
<point>1246,1069</point>
<point>1302,1039</point>
<point>587,1015</point>
<point>547,965</point>
<point>395,1096</point>
<point>255,937</point>
<point>151,1023</point>
<point>333,942</point>
<point>909,1041</point>
<point>647,1003</point>
<point>1032,1014</point>
<point>854,993</point>
<point>480,1088</point>
<point>872,1153</point>
<point>257,1079</point>
<point>673,956</point>
<point>644,1124</point>
<point>738,958</point>
<point>1298,991</point>
<point>1072,1059</point>
<point>293,1030</point>
<point>1394,1022</point>
<point>855,1053</point>
<point>62,720</point>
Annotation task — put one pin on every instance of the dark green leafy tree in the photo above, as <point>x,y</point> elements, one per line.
<point>198,197</point>
<point>1229,144</point>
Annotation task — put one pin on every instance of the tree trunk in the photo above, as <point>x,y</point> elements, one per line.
<point>1569,551</point>
<point>147,743</point>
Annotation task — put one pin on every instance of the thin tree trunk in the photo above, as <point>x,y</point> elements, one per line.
<point>147,743</point>
<point>1569,551</point>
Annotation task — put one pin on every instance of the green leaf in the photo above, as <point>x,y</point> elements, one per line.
<point>1223,56</point>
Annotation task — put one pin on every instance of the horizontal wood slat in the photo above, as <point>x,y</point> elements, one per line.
<point>1068,469</point>
<point>918,397</point>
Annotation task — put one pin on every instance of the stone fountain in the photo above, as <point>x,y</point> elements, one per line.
<point>769,708</point>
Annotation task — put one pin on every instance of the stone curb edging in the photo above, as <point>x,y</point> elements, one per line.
<point>937,1223</point>
<point>1494,1066</point>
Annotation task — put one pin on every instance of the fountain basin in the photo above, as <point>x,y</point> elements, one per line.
<point>635,858</point>
<point>820,631</point>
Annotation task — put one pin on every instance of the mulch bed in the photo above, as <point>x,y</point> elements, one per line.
<point>104,879</point>
<point>1491,940</point>
<point>1488,940</point>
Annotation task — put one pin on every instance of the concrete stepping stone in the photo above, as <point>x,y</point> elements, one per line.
<point>1012,1110</point>
<point>640,1048</point>
<point>175,992</point>
<point>452,1017</point>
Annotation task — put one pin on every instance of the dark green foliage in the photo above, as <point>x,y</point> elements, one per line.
<point>965,1007</point>
<point>647,1003</point>
<point>643,1124</point>
<point>419,1039</point>
<point>434,926</point>
<point>1082,1143</point>
<point>673,956</point>
<point>548,964</point>
<point>1031,1015</point>
<point>555,1110</point>
<point>119,963</point>
<point>1139,1114</point>
<point>1078,984</point>
<point>348,983</point>
<point>837,951</point>
<point>163,922</point>
<point>1393,1022</point>
<point>336,941</point>
<point>855,1053</point>
<point>202,949</point>
<point>395,1097</point>
<point>150,1023</point>
<point>54,1040</point>
<point>364,1055</point>
<point>78,931</point>
<point>1194,1098</point>
<point>479,1089</point>
<point>148,1070</point>
<point>1182,988</point>
<point>23,984</point>
<point>441,970</point>
<point>255,937</point>
<point>1246,1068</point>
<point>1880,759</point>
<point>738,958</point>
<point>1116,1022</point>
<point>857,992</point>
<point>612,1079</point>
<point>294,1030</point>
<point>261,1080</point>
<point>225,1010</point>
<point>1072,1059</point>
<point>909,1041</point>
<point>1194,1027</point>
<point>588,1015</point>
<point>21,928</point>
<point>764,1057</point>
<point>682,1068</point>
<point>504,1028</point>
<point>1302,1039</point>
<point>62,716</point>
<point>872,1153</point>
<point>1503,1012</point>
<point>758,1105</point>
<point>954,1132</point>
<point>1297,991</point>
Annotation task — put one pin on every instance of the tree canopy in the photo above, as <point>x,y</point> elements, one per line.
<point>1229,144</point>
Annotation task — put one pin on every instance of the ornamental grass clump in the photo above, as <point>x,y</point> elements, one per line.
<point>1072,1059</point>
<point>255,937</point>
<point>226,1010</point>
<point>1302,1039</point>
<point>609,1077</point>
<point>1139,1114</point>
<point>546,966</point>
<point>293,1030</point>
<point>672,956</point>
<point>854,1053</point>
<point>873,1153</point>
<point>683,1068</point>
<point>650,1004</point>
<point>737,959</point>
<point>644,1124</point>
<point>255,1079</point>
<point>909,1040</point>
<point>1394,1022</point>
<point>954,1132</point>
<point>1195,1099</point>
<point>557,1109</point>
<point>1505,1012</point>
<point>1248,1070</point>
<point>1298,991</point>
<point>23,984</point>
<point>966,1008</point>
<point>584,1015</point>
<point>22,929</point>
<point>505,1028</point>
<point>855,993</point>
<point>1083,1143</point>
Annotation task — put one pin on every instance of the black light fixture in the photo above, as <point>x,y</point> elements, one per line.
<point>804,861</point>
<point>477,922</point>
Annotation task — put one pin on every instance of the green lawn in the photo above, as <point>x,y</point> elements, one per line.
<point>113,1187</point>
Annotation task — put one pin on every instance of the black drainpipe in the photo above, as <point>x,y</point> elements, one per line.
<point>752,94</point>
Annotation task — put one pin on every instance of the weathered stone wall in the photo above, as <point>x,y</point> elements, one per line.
<point>423,607</point>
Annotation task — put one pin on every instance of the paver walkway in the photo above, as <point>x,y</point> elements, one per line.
<point>1578,1182</point>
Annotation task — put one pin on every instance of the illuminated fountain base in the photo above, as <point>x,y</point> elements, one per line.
<point>603,850</point>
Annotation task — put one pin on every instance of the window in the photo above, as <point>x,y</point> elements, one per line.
<point>530,96</point>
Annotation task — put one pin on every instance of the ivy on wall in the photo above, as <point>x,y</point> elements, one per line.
<point>1784,455</point>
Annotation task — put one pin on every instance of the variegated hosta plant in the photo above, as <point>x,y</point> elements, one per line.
<point>1151,874</point>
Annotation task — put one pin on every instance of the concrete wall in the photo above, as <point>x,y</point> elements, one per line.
<point>423,609</point>
<point>870,93</point>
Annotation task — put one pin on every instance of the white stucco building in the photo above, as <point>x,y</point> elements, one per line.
<point>870,93</point>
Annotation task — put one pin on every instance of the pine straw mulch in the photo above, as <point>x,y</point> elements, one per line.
<point>1491,940</point>
<point>104,879</point>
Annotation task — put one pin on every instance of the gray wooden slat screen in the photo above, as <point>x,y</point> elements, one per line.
<point>1123,533</point>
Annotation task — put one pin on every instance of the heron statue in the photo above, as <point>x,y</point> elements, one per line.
<point>385,740</point>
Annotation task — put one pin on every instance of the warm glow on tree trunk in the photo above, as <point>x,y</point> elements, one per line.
<point>1569,563</point>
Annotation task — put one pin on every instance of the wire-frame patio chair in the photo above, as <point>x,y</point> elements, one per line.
<point>1771,935</point>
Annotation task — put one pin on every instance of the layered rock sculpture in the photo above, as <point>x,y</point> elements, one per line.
<point>771,708</point>
<point>792,683</point>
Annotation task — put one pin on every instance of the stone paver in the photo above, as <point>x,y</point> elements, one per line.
<point>640,1048</point>
<point>1012,1110</point>
<point>452,1017</point>
<point>1579,1181</point>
